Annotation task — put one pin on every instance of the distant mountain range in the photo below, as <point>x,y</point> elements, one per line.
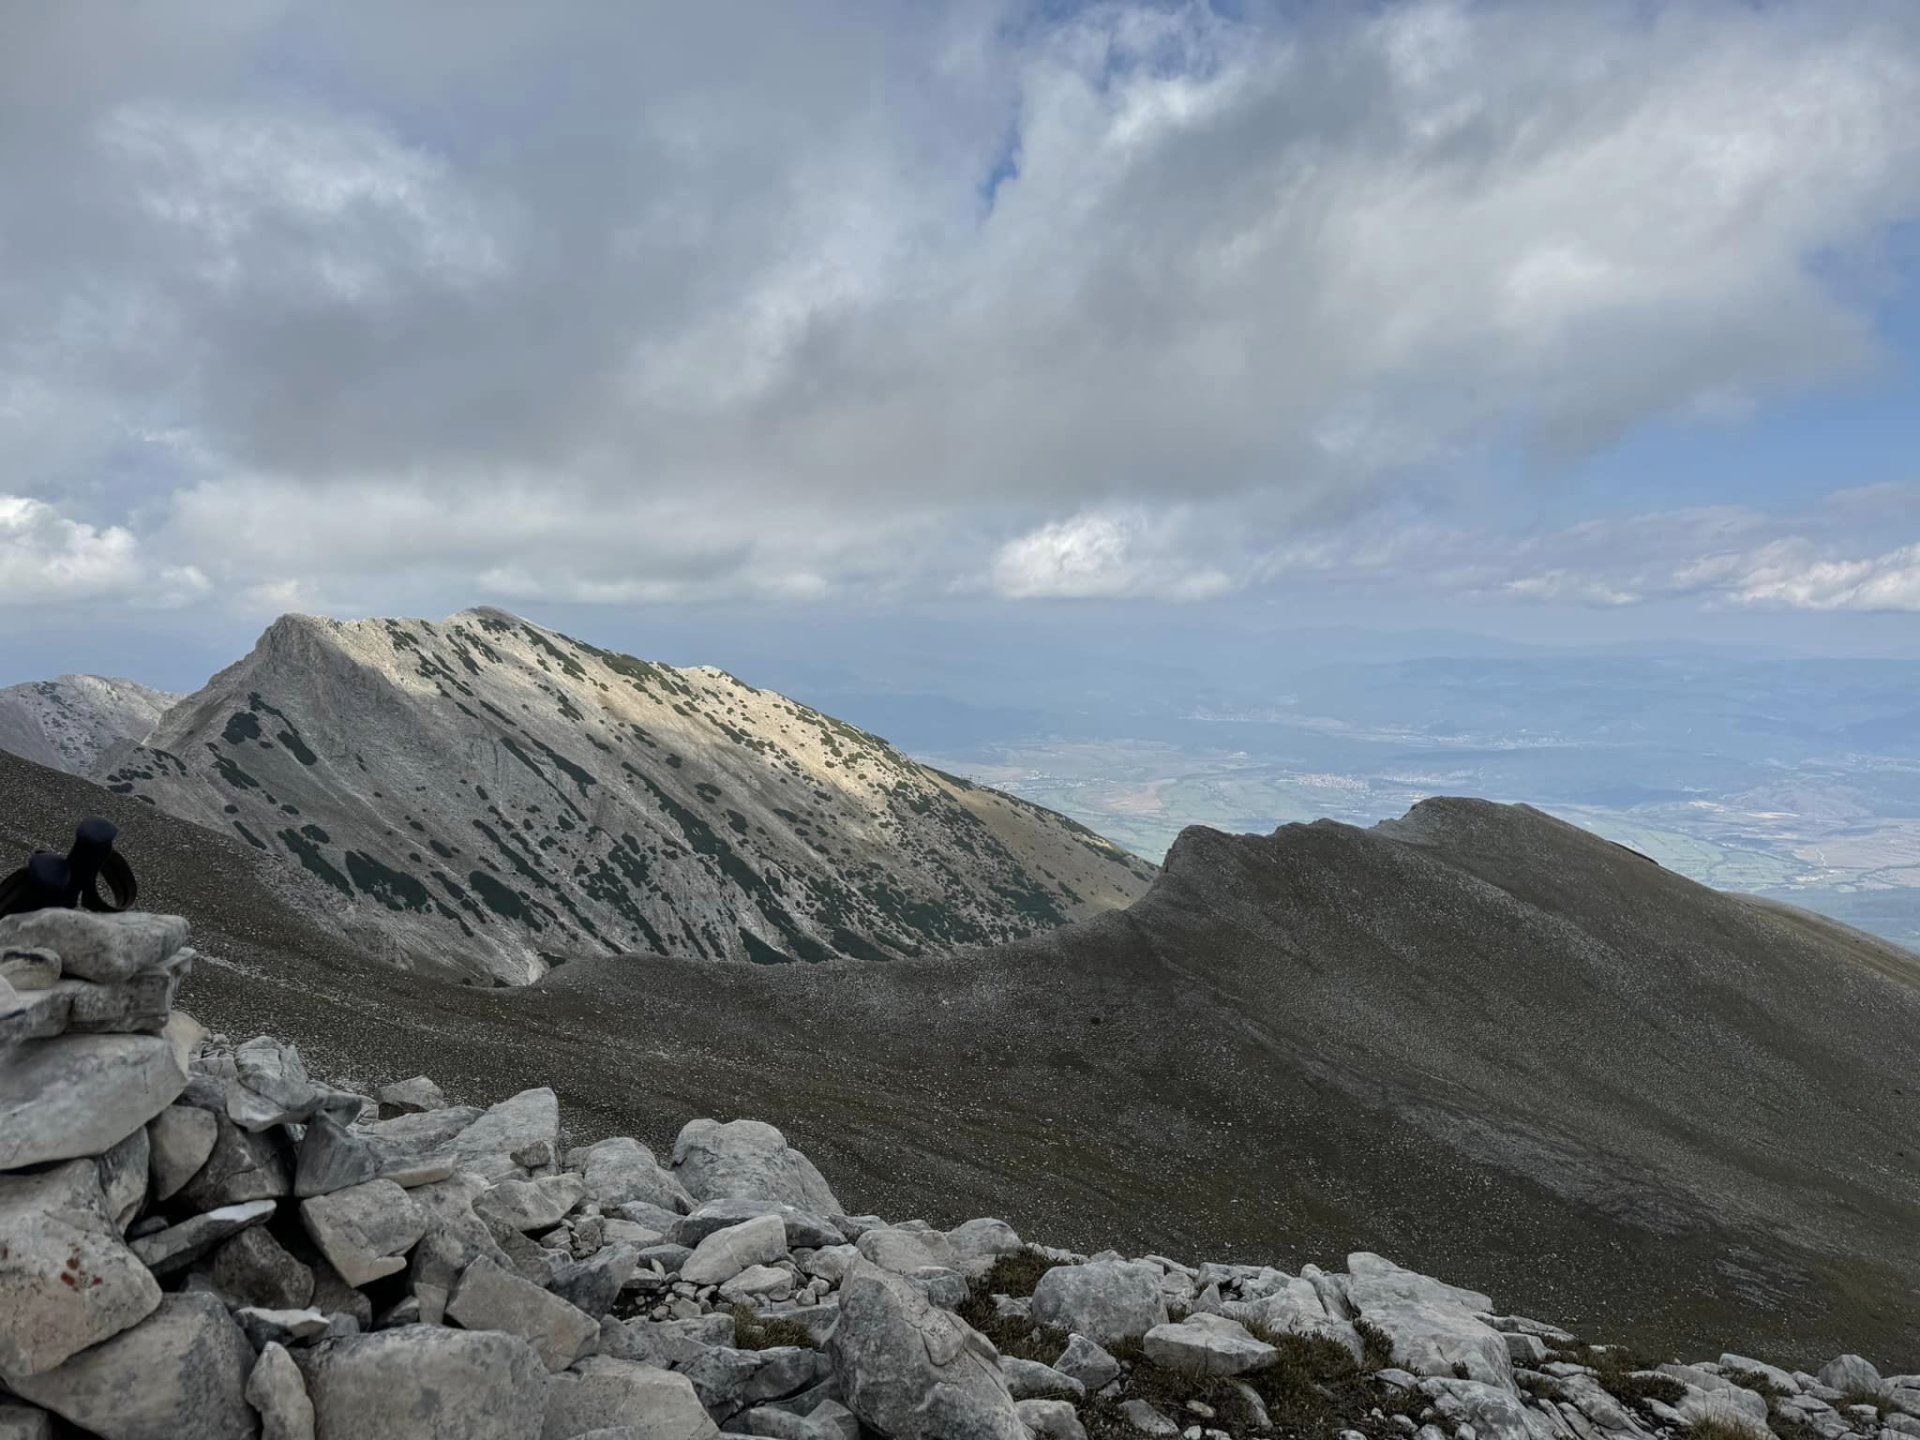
<point>69,723</point>
<point>484,798</point>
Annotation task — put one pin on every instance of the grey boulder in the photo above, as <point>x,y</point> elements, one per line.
<point>179,1140</point>
<point>422,1382</point>
<point>411,1097</point>
<point>66,1279</point>
<point>725,1253</point>
<point>178,1246</point>
<point>99,947</point>
<point>1051,1419</point>
<point>602,1392</point>
<point>278,1394</point>
<point>1208,1345</point>
<point>748,1159</point>
<point>1851,1375</point>
<point>805,1231</point>
<point>1087,1363</point>
<point>915,1372</point>
<point>364,1231</point>
<point>1030,1380</point>
<point>253,1268</point>
<point>84,1094</point>
<point>490,1298</point>
<point>621,1170</point>
<point>182,1371</point>
<point>1105,1300</point>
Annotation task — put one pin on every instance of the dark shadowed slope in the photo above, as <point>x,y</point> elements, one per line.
<point>1478,1040</point>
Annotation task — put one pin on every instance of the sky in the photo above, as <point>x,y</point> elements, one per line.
<point>786,329</point>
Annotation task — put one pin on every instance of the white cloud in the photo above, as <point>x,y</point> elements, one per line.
<point>48,558</point>
<point>1796,574</point>
<point>619,304</point>
<point>1103,556</point>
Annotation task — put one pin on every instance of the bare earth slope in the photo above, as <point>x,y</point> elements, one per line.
<point>1478,1039</point>
<point>69,723</point>
<point>502,798</point>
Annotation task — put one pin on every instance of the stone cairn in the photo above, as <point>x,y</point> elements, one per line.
<point>201,1241</point>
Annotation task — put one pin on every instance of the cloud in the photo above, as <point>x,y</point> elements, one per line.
<point>620,304</point>
<point>47,558</point>
<point>1829,558</point>
<point>1103,556</point>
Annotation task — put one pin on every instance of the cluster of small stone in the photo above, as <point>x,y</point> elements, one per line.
<point>201,1241</point>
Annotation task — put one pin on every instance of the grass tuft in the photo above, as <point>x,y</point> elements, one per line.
<point>754,1331</point>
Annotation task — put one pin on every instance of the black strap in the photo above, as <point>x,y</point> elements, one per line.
<point>49,881</point>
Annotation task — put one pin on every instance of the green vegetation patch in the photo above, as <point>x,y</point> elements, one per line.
<point>754,1331</point>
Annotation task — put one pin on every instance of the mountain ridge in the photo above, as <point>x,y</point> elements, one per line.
<point>575,800</point>
<point>71,721</point>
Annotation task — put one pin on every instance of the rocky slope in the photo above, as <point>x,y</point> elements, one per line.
<point>1481,1041</point>
<point>202,1239</point>
<point>501,798</point>
<point>69,723</point>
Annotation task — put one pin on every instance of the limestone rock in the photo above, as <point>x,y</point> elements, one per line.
<point>272,1087</point>
<point>17,1422</point>
<point>595,1283</point>
<point>180,1245</point>
<point>181,1371</point>
<point>975,1245</point>
<point>1294,1306</point>
<point>490,1298</point>
<point>602,1392</point>
<point>750,1160</point>
<point>243,1165</point>
<point>1030,1380</point>
<point>26,969</point>
<point>83,1094</point>
<point>277,1392</point>
<point>364,1231</point>
<point>621,1170</point>
<point>1851,1375</point>
<point>518,1124</point>
<point>411,1097</point>
<point>98,947</point>
<point>725,1253</point>
<point>805,1231</point>
<point>758,1282</point>
<point>66,1279</point>
<point>1493,1413</point>
<point>1434,1327</point>
<point>253,1268</point>
<point>1087,1363</point>
<point>1107,1300</point>
<point>123,1178</point>
<point>529,1205</point>
<point>179,1140</point>
<point>1208,1345</point>
<point>1149,1421</point>
<point>903,1251</point>
<point>1050,1419</point>
<point>422,1382</point>
<point>914,1372</point>
<point>729,1381</point>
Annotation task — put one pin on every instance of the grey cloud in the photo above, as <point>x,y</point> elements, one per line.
<point>634,302</point>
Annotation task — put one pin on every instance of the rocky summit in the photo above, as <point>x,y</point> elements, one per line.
<point>205,1239</point>
<point>485,798</point>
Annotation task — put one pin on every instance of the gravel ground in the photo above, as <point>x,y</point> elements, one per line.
<point>1480,1042</point>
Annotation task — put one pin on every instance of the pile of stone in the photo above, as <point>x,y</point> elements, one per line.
<point>202,1241</point>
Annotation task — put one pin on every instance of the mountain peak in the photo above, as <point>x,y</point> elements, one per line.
<point>500,797</point>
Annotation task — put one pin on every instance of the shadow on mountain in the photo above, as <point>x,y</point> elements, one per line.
<point>1477,1039</point>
